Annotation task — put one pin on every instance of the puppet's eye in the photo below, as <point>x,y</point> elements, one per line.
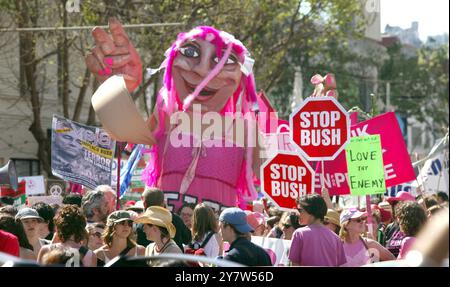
<point>231,60</point>
<point>190,51</point>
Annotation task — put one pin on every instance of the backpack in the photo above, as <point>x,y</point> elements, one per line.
<point>198,249</point>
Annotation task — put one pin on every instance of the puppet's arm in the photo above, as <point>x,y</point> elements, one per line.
<point>114,55</point>
<point>118,113</point>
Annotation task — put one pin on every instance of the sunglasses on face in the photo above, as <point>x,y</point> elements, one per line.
<point>359,220</point>
<point>287,225</point>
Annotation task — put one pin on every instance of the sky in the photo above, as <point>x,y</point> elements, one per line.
<point>432,15</point>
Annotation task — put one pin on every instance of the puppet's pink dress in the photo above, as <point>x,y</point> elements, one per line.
<point>200,173</point>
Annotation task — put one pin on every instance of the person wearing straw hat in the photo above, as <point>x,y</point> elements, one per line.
<point>159,228</point>
<point>331,221</point>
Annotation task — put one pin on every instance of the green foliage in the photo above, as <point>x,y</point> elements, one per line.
<point>419,83</point>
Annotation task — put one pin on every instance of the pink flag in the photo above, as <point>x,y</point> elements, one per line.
<point>397,163</point>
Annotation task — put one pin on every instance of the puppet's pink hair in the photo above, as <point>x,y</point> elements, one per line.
<point>168,102</point>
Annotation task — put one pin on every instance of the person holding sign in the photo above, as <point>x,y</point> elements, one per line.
<point>315,244</point>
<point>358,250</point>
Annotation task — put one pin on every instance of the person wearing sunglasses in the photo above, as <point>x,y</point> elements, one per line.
<point>359,251</point>
<point>288,224</point>
<point>95,232</point>
<point>314,244</point>
<point>118,238</point>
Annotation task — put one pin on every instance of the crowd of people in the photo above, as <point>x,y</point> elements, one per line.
<point>87,230</point>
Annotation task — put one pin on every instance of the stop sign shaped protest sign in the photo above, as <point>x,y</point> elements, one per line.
<point>285,178</point>
<point>320,127</point>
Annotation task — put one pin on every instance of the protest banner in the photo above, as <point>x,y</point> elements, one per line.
<point>365,165</point>
<point>34,185</point>
<point>80,153</point>
<point>397,163</point>
<point>137,186</point>
<point>407,187</point>
<point>49,199</point>
<point>278,249</point>
<point>285,178</point>
<point>433,176</point>
<point>320,127</point>
<point>19,196</point>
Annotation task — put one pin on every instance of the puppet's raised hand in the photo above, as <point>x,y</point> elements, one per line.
<point>114,55</point>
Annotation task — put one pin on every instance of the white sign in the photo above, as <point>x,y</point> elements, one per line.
<point>47,199</point>
<point>34,185</point>
<point>433,175</point>
<point>278,249</point>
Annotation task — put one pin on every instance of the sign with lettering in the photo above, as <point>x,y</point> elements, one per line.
<point>365,165</point>
<point>34,184</point>
<point>320,127</point>
<point>398,168</point>
<point>81,154</point>
<point>285,178</point>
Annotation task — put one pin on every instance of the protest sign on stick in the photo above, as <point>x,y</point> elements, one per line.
<point>80,153</point>
<point>365,165</point>
<point>285,178</point>
<point>398,168</point>
<point>320,127</point>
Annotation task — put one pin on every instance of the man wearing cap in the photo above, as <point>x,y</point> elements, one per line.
<point>235,229</point>
<point>30,219</point>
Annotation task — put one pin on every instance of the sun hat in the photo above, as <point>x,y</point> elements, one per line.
<point>401,196</point>
<point>118,216</point>
<point>159,216</point>
<point>237,218</point>
<point>28,213</point>
<point>255,219</point>
<point>351,213</point>
<point>333,217</point>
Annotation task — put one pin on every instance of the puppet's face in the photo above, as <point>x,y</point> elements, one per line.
<point>195,60</point>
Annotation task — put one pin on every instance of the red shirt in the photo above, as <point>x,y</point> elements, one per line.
<point>9,243</point>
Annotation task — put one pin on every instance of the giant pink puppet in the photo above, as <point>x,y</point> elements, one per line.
<point>204,68</point>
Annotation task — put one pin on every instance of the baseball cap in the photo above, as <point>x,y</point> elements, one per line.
<point>118,216</point>
<point>351,213</point>
<point>236,217</point>
<point>26,213</point>
<point>401,196</point>
<point>255,219</point>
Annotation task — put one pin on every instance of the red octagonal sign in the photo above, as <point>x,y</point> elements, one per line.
<point>285,178</point>
<point>320,127</point>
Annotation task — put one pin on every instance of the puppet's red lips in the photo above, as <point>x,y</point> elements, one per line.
<point>204,92</point>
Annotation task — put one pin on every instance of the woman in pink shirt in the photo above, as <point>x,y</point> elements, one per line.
<point>411,218</point>
<point>315,244</point>
<point>359,250</point>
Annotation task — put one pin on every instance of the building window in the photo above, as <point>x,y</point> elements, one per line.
<point>27,167</point>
